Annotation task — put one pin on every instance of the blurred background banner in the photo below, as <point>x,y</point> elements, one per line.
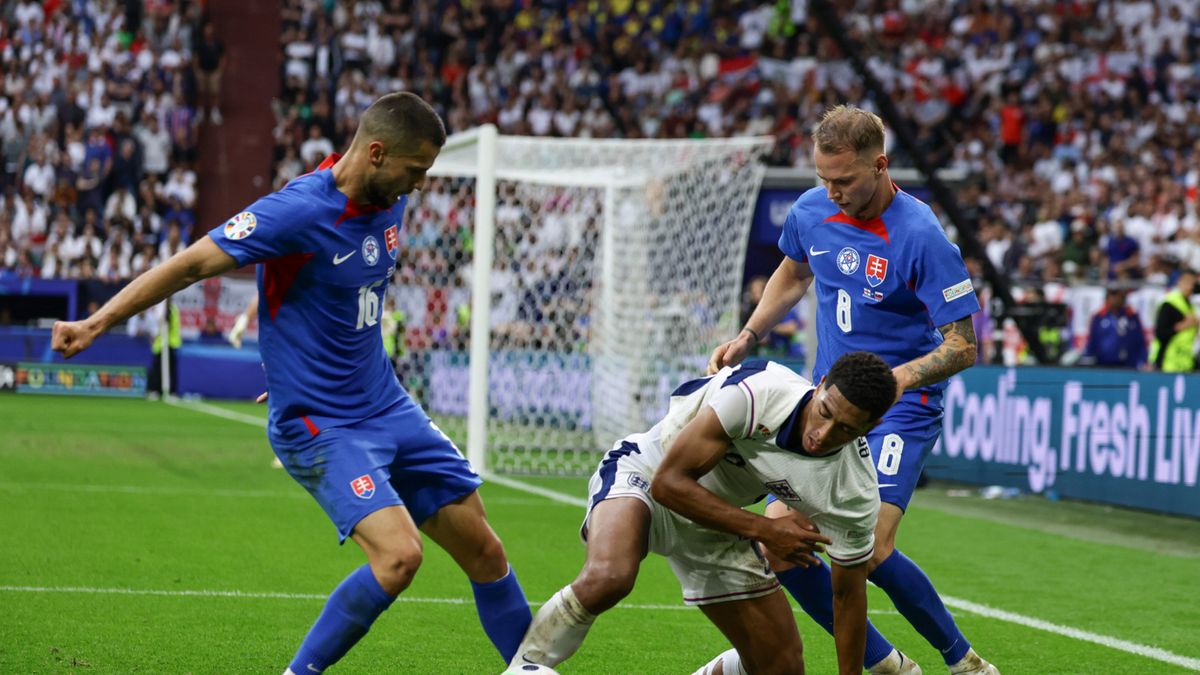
<point>1110,436</point>
<point>79,380</point>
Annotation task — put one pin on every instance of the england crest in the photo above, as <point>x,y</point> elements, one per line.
<point>876,270</point>
<point>847,261</point>
<point>370,250</point>
<point>363,486</point>
<point>391,240</point>
<point>782,490</point>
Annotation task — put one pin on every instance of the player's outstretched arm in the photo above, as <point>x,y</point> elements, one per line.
<point>201,260</point>
<point>700,445</point>
<point>784,289</point>
<point>850,616</point>
<point>955,354</point>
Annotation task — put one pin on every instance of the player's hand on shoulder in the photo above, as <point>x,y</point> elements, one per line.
<point>70,337</point>
<point>730,353</point>
<point>794,538</point>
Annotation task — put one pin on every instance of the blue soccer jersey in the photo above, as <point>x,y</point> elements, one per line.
<point>884,285</point>
<point>326,264</point>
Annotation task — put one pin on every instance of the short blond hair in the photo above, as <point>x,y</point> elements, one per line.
<point>848,128</point>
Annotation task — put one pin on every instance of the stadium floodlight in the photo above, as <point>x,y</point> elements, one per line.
<point>601,274</point>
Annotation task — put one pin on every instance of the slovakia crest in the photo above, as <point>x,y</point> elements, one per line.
<point>370,250</point>
<point>363,486</point>
<point>847,261</point>
<point>391,240</point>
<point>876,270</point>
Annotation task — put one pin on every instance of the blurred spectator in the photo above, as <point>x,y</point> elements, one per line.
<point>209,65</point>
<point>1175,328</point>
<point>1115,336</point>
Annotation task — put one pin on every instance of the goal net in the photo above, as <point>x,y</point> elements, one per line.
<point>552,292</point>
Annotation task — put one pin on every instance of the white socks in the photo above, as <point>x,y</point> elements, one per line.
<point>730,662</point>
<point>557,630</point>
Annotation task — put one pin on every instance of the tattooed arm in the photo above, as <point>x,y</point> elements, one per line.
<point>957,353</point>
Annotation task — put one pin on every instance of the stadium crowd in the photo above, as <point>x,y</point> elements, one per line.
<point>98,128</point>
<point>1076,123</point>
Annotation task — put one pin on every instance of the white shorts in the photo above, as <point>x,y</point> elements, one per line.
<point>711,566</point>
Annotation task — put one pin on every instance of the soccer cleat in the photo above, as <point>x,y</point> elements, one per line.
<point>971,664</point>
<point>895,663</point>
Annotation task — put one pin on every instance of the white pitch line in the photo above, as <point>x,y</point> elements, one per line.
<point>201,406</point>
<point>87,590</point>
<point>149,490</point>
<point>956,603</point>
<point>1087,636</point>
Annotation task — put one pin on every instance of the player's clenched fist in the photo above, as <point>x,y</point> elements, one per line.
<point>795,539</point>
<point>70,337</point>
<point>731,353</point>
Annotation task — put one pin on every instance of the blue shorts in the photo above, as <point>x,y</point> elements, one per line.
<point>900,444</point>
<point>398,457</point>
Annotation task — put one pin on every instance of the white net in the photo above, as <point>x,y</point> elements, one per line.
<point>616,269</point>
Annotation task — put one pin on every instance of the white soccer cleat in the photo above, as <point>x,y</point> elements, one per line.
<point>530,669</point>
<point>972,664</point>
<point>895,663</point>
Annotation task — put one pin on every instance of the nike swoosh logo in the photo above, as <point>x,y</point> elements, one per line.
<point>883,485</point>
<point>813,252</point>
<point>310,666</point>
<point>339,259</point>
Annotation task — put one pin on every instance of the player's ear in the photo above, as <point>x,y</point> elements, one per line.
<point>376,152</point>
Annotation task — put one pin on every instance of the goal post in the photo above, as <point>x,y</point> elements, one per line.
<point>598,275</point>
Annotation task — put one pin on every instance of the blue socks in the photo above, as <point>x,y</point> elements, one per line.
<point>351,609</point>
<point>504,612</point>
<point>812,587</point>
<point>914,595</point>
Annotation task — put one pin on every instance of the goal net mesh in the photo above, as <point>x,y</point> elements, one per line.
<point>617,268</point>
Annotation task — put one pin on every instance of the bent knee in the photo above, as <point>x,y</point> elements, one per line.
<point>489,561</point>
<point>602,585</point>
<point>395,568</point>
<point>883,550</point>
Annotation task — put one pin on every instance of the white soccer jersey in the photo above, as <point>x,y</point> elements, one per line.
<point>757,404</point>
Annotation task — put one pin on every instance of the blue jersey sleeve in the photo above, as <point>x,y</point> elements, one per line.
<point>940,280</point>
<point>789,241</point>
<point>268,228</point>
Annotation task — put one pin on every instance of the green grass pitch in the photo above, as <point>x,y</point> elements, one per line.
<point>141,537</point>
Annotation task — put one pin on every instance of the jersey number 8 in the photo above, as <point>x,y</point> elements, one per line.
<point>843,311</point>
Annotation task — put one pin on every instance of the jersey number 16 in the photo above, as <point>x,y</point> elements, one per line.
<point>368,305</point>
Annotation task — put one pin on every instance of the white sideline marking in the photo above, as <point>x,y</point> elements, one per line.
<point>297,596</point>
<point>148,490</point>
<point>536,490</point>
<point>201,406</point>
<point>1087,636</point>
<point>956,603</point>
<point>205,492</point>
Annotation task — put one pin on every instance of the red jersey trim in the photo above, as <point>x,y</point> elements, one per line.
<point>278,276</point>
<point>353,209</point>
<point>875,226</point>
